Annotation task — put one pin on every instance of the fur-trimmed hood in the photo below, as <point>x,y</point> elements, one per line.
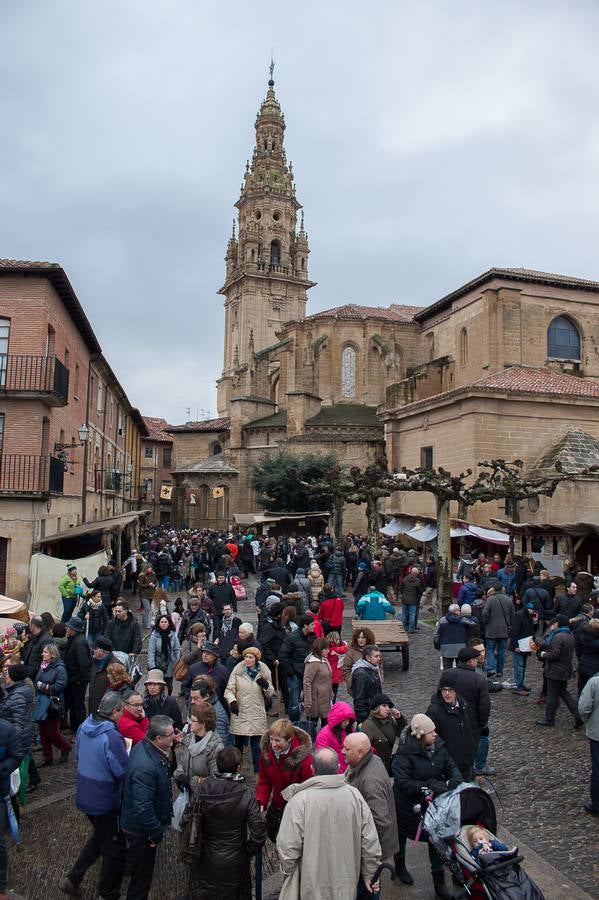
<point>301,748</point>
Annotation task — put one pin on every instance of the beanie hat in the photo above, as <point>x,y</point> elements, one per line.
<point>563,621</point>
<point>18,672</point>
<point>71,568</point>
<point>271,600</point>
<point>447,679</point>
<point>103,643</point>
<point>467,653</point>
<point>76,624</point>
<point>362,566</point>
<point>380,700</point>
<point>421,725</point>
<point>210,648</point>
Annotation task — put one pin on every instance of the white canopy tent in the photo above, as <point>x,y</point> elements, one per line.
<point>424,530</point>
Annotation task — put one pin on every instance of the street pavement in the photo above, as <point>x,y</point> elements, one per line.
<point>540,786</point>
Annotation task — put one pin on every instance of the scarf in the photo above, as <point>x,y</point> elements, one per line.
<point>44,665</point>
<point>551,634</point>
<point>226,625</point>
<point>165,650</point>
<point>254,672</point>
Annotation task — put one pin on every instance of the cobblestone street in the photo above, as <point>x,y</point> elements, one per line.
<point>541,784</point>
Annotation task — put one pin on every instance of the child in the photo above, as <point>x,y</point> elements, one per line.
<point>336,653</point>
<point>482,843</point>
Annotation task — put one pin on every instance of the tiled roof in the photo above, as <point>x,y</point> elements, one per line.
<point>528,380</point>
<point>574,452</point>
<point>518,275</point>
<point>345,414</point>
<point>520,380</point>
<point>58,278</point>
<point>157,429</point>
<point>393,313</point>
<point>221,424</point>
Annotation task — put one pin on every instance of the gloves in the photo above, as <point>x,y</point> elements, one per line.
<point>261,680</point>
<point>234,707</point>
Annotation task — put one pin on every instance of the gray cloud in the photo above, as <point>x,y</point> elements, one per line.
<point>430,141</point>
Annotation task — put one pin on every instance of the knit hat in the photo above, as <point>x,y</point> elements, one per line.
<point>155,676</point>
<point>563,621</point>
<point>210,648</point>
<point>76,624</point>
<point>253,650</point>
<point>103,643</point>
<point>466,609</point>
<point>271,600</point>
<point>421,725</point>
<point>71,568</point>
<point>447,679</point>
<point>18,672</point>
<point>467,653</point>
<point>381,700</point>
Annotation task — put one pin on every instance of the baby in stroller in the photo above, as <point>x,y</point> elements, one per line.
<point>484,846</point>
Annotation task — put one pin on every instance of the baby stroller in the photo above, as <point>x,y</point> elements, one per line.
<point>238,588</point>
<point>446,820</point>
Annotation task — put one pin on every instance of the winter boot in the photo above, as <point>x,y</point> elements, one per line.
<point>401,871</point>
<point>439,885</point>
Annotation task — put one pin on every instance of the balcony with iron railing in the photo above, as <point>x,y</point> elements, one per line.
<point>34,377</point>
<point>27,474</point>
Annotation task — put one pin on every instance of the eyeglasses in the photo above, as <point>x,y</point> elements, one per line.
<point>135,705</point>
<point>193,721</point>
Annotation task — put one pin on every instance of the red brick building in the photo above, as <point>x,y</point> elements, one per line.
<point>156,468</point>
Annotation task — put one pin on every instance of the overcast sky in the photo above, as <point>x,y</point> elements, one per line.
<point>430,141</point>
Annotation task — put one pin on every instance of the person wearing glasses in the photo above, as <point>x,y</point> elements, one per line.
<point>200,746</point>
<point>133,723</point>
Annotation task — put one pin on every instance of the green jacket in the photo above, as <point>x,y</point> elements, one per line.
<point>67,586</point>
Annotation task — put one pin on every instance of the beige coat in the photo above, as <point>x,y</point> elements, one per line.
<point>371,778</point>
<point>316,579</point>
<point>250,697</point>
<point>327,839</point>
<point>318,687</point>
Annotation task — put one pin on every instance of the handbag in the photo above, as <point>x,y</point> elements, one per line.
<point>179,807</point>
<point>180,670</point>
<point>190,844</point>
<point>40,710</point>
<point>272,820</point>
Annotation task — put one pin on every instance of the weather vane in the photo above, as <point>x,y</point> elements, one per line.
<point>271,68</point>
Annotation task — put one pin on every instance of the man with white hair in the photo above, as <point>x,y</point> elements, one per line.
<point>450,635</point>
<point>327,839</point>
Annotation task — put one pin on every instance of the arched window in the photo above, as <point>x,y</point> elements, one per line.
<point>563,340</point>
<point>216,449</point>
<point>463,346</point>
<point>348,373</point>
<point>275,253</point>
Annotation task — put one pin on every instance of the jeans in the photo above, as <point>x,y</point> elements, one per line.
<point>241,741</point>
<point>68,606</point>
<point>336,582</point>
<point>594,747</point>
<point>293,707</point>
<point>3,853</point>
<point>141,859</point>
<point>165,581</point>
<point>108,842</point>
<point>555,690</point>
<point>520,660</point>
<point>408,616</point>
<point>481,754</point>
<point>496,648</point>
<point>74,698</point>
<point>147,616</point>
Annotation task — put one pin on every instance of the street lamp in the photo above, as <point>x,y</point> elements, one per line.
<point>83,433</point>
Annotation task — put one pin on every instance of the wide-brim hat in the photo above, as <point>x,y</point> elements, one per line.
<point>155,676</point>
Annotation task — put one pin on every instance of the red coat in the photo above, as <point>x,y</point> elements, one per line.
<point>335,651</point>
<point>133,728</point>
<point>331,611</point>
<point>274,775</point>
<point>318,629</point>
<point>233,550</point>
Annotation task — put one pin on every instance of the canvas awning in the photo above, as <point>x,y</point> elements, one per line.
<point>115,523</point>
<point>264,518</point>
<point>424,529</point>
<point>575,529</point>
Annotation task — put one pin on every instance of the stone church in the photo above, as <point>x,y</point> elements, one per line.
<point>504,365</point>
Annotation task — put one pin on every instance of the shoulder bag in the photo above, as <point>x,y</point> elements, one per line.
<point>190,845</point>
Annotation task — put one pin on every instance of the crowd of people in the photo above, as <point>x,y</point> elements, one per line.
<point>336,781</point>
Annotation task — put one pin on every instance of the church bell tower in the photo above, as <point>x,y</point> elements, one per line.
<point>267,256</point>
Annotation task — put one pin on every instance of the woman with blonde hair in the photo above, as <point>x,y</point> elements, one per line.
<point>50,683</point>
<point>285,758</point>
<point>119,679</point>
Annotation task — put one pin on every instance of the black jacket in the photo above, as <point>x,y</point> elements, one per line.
<point>221,594</point>
<point>97,619</point>
<point>218,672</point>
<point>16,707</point>
<point>558,656</point>
<point>125,635</point>
<point>98,682</point>
<point>568,605</point>
<point>163,705</point>
<point>271,635</point>
<point>521,626</point>
<point>31,654</point>
<point>104,584</point>
<point>294,650</point>
<point>226,640</point>
<point>10,754</point>
<point>472,686</point>
<point>587,646</point>
<point>455,729</point>
<point>147,800</point>
<point>77,659</point>
<point>190,618</point>
<point>365,683</point>
<point>414,769</point>
<point>281,575</point>
<point>233,831</point>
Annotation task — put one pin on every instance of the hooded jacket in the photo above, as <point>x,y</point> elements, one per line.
<point>124,634</point>
<point>473,687</point>
<point>326,737</point>
<point>327,839</point>
<point>454,728</point>
<point>274,775</point>
<point>10,754</point>
<point>587,646</point>
<point>365,683</point>
<point>101,766</point>
<point>16,708</point>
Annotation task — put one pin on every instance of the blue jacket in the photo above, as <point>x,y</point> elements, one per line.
<point>16,708</point>
<point>508,580</point>
<point>10,754</point>
<point>147,799</point>
<point>374,608</point>
<point>450,634</point>
<point>101,766</point>
<point>469,592</point>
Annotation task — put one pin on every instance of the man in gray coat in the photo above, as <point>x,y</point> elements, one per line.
<point>588,709</point>
<point>367,773</point>
<point>497,613</point>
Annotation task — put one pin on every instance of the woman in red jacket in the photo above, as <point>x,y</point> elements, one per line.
<point>285,758</point>
<point>331,611</point>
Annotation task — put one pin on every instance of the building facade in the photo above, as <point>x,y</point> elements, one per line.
<point>156,485</point>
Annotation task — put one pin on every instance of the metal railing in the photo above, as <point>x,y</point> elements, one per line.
<point>27,473</point>
<point>29,374</point>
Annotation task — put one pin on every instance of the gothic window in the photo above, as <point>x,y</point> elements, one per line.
<point>463,346</point>
<point>216,449</point>
<point>348,373</point>
<point>275,253</point>
<point>563,340</point>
